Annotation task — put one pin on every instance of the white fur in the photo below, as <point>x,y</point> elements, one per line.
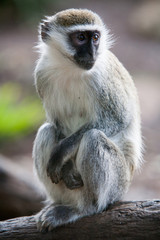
<point>67,84</point>
<point>57,193</point>
<point>68,97</point>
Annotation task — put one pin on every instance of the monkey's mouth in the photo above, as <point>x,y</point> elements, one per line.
<point>85,64</point>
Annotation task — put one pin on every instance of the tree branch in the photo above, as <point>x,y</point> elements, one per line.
<point>123,220</point>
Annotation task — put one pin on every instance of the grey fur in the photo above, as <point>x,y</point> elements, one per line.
<point>70,176</point>
<point>86,153</point>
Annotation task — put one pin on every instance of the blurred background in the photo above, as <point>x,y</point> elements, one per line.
<point>135,25</point>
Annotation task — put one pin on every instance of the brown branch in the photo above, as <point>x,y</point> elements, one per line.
<point>124,220</point>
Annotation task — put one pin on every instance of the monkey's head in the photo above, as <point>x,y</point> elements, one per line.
<point>79,35</point>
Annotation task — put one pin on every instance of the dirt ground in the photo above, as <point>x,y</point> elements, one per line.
<point>140,56</point>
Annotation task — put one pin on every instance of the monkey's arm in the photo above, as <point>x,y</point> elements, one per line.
<point>65,150</point>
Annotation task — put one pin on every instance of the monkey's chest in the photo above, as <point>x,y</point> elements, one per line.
<point>70,106</point>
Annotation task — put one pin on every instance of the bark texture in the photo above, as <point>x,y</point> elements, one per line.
<point>123,220</point>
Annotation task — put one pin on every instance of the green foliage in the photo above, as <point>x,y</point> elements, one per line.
<point>19,115</point>
<point>24,11</point>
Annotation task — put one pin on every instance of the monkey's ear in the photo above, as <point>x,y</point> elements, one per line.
<point>44,30</point>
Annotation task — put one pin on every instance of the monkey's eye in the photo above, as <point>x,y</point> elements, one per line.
<point>81,37</point>
<point>95,37</point>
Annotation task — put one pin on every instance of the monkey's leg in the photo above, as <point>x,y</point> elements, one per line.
<point>105,176</point>
<point>103,169</point>
<point>53,215</point>
<point>44,143</point>
<point>46,140</point>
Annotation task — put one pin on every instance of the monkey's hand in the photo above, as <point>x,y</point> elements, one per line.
<point>71,177</point>
<point>65,150</point>
<point>55,164</point>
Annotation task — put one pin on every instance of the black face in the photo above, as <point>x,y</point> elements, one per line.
<point>86,44</point>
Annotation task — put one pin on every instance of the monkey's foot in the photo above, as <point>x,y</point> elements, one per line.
<point>73,180</point>
<point>52,216</point>
<point>71,177</point>
<point>45,219</point>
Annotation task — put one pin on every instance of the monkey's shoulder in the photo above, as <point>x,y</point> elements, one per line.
<point>118,76</point>
<point>116,69</point>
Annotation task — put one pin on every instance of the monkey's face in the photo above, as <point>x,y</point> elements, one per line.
<point>75,36</point>
<point>86,44</point>
<point>80,46</point>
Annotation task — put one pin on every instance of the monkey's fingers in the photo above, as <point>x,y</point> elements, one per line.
<point>54,172</point>
<point>73,180</point>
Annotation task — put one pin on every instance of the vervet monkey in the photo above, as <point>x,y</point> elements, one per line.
<point>86,153</point>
